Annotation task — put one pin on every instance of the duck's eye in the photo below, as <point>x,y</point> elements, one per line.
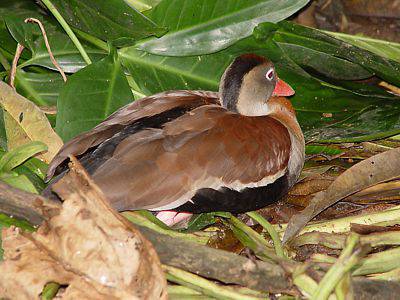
<point>270,74</point>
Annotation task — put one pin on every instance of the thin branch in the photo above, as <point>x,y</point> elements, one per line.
<point>13,70</point>
<point>46,41</point>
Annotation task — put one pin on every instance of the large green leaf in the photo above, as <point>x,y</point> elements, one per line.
<point>21,9</point>
<point>206,26</point>
<point>111,20</point>
<point>17,156</point>
<point>90,95</point>
<point>292,38</point>
<point>41,88</point>
<point>357,114</point>
<point>7,42</point>
<point>386,49</point>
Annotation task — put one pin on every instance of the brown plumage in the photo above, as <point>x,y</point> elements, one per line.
<point>182,150</point>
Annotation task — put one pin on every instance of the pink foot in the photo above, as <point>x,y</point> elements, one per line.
<point>171,218</point>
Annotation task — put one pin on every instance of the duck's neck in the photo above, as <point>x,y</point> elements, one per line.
<point>282,110</point>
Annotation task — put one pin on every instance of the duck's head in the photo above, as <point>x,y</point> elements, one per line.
<point>248,83</point>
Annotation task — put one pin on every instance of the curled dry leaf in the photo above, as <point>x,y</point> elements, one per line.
<point>376,169</point>
<point>27,122</point>
<point>87,246</point>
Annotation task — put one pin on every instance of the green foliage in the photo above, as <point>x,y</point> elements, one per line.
<point>18,168</point>
<point>204,26</point>
<point>386,49</point>
<point>41,88</point>
<point>91,95</point>
<point>111,20</point>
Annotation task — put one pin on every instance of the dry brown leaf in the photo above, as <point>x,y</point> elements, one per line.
<point>376,169</point>
<point>31,121</point>
<point>87,246</point>
<point>387,191</point>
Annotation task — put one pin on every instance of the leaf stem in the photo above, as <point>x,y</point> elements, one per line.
<point>271,231</point>
<point>68,30</point>
<point>92,39</point>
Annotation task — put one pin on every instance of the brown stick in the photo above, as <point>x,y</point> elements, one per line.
<point>13,70</point>
<point>46,42</point>
<point>23,205</point>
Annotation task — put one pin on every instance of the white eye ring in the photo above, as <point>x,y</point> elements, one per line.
<point>270,74</point>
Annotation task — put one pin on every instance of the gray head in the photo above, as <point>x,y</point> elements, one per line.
<point>247,84</point>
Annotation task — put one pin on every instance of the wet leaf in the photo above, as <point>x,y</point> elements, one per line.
<point>7,221</point>
<point>41,88</point>
<point>21,182</point>
<point>207,26</point>
<point>34,179</point>
<point>315,40</point>
<point>91,95</point>
<point>37,167</point>
<point>386,49</point>
<point>381,167</point>
<point>198,222</point>
<point>321,149</point>
<point>31,121</point>
<point>111,20</point>
<point>18,155</point>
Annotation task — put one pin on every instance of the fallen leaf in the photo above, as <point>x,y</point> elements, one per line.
<point>386,191</point>
<point>87,246</point>
<point>376,169</point>
<point>28,123</point>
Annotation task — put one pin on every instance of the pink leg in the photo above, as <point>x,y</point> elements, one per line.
<point>171,218</point>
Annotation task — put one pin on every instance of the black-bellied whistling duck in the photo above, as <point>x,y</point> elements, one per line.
<point>198,151</point>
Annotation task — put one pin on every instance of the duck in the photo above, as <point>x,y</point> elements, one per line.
<point>185,152</point>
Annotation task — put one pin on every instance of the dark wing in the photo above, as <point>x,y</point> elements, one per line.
<point>207,147</point>
<point>129,114</point>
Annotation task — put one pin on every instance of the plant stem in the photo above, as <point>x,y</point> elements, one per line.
<point>140,220</point>
<point>346,261</point>
<point>386,217</point>
<point>68,30</point>
<point>271,231</point>
<point>202,285</point>
<point>92,39</point>
<point>305,283</point>
<point>253,240</point>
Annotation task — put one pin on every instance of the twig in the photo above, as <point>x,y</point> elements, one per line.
<point>24,205</point>
<point>394,89</point>
<point>14,64</point>
<point>68,30</point>
<point>46,41</point>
